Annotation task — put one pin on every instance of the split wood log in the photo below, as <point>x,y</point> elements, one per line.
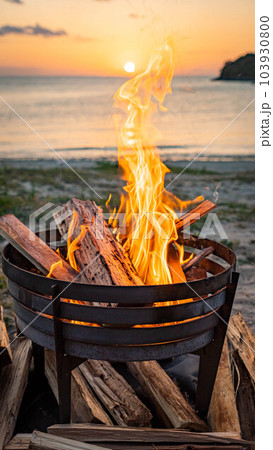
<point>170,405</point>
<point>5,348</point>
<point>116,394</point>
<point>245,397</point>
<point>20,441</point>
<point>46,441</point>
<point>223,414</point>
<point>197,258</point>
<point>115,268</point>
<point>34,249</point>
<point>100,257</point>
<point>102,433</point>
<point>195,214</point>
<point>243,341</point>
<point>84,405</point>
<point>13,381</point>
<point>151,446</point>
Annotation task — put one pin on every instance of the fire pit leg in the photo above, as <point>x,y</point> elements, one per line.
<point>64,363</point>
<point>39,359</point>
<point>211,354</point>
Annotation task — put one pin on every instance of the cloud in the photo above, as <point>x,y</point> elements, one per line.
<point>18,2</point>
<point>37,30</point>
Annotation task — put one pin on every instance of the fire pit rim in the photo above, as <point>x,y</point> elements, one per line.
<point>126,294</point>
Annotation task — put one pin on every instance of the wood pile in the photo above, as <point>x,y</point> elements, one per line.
<point>106,411</point>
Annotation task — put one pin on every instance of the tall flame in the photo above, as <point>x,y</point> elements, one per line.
<point>149,208</point>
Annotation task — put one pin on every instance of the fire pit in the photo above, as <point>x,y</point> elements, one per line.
<point>131,331</point>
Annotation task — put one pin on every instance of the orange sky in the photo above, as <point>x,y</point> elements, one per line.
<point>102,35</point>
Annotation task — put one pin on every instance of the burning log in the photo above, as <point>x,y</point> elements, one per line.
<point>195,214</point>
<point>34,249</point>
<point>171,407</point>
<point>5,348</point>
<point>197,258</point>
<point>46,441</point>
<point>223,414</point>
<point>84,405</point>
<point>99,256</point>
<point>243,342</point>
<point>13,381</point>
<point>116,394</point>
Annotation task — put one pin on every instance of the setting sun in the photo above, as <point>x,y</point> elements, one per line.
<point>129,67</point>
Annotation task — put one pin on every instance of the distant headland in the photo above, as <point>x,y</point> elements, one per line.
<point>242,69</point>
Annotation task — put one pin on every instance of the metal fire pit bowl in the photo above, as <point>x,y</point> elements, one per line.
<point>197,326</point>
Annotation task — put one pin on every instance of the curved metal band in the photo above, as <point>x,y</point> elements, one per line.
<point>118,335</point>
<point>119,353</point>
<point>129,316</point>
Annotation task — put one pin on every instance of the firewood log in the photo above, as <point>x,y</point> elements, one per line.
<point>223,414</point>
<point>243,342</point>
<point>116,394</point>
<point>34,249</point>
<point>46,441</point>
<point>195,214</point>
<point>84,405</point>
<point>170,405</point>
<point>5,348</point>
<point>13,381</point>
<point>102,433</point>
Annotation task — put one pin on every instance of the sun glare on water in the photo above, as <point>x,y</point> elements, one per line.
<point>129,67</point>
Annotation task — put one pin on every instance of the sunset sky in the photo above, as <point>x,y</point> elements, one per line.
<point>97,37</point>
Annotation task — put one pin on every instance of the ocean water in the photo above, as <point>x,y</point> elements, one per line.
<point>74,116</point>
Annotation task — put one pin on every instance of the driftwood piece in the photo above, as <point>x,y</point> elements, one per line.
<point>84,405</point>
<point>34,249</point>
<point>5,348</point>
<point>198,258</point>
<point>44,441</point>
<point>245,397</point>
<point>99,256</point>
<point>170,405</point>
<point>195,214</point>
<point>101,433</point>
<point>20,441</point>
<point>223,414</point>
<point>13,381</point>
<point>243,341</point>
<point>116,394</point>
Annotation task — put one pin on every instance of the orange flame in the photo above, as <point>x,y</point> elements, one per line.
<point>149,208</point>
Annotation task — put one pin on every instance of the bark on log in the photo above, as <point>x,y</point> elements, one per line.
<point>13,381</point>
<point>116,394</point>
<point>100,257</point>
<point>46,441</point>
<point>34,249</point>
<point>170,405</point>
<point>101,433</point>
<point>195,214</point>
<point>85,407</point>
<point>223,414</point>
<point>5,348</point>
<point>243,341</point>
